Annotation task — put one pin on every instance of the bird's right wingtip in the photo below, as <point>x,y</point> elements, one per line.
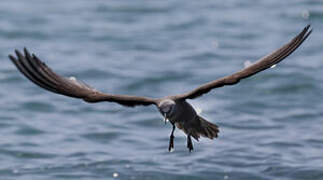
<point>308,29</point>
<point>308,26</point>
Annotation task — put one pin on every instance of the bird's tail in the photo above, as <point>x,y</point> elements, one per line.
<point>205,129</point>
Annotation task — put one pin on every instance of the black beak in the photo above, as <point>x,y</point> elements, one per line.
<point>165,118</point>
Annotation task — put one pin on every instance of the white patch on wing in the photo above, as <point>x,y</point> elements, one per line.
<point>72,78</point>
<point>197,109</point>
<point>247,63</point>
<point>75,81</point>
<point>273,66</point>
<point>80,83</point>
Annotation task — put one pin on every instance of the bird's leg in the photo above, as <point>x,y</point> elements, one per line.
<point>171,139</point>
<point>189,143</point>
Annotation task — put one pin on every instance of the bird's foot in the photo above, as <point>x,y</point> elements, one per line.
<point>171,143</point>
<point>189,144</point>
<point>171,139</point>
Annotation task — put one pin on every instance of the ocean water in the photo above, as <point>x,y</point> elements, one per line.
<point>271,124</point>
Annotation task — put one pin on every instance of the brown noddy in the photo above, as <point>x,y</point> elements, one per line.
<point>174,108</point>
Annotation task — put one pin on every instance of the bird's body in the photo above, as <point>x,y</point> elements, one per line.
<point>182,115</point>
<point>186,118</point>
<point>174,108</point>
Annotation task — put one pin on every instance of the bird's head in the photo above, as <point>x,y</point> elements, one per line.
<point>167,107</point>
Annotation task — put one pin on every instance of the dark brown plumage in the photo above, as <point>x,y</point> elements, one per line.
<point>39,73</point>
<point>263,63</point>
<point>175,108</point>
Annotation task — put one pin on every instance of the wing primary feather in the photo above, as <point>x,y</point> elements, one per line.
<point>26,62</point>
<point>264,63</point>
<point>40,74</point>
<point>39,70</point>
<point>63,87</point>
<point>27,74</point>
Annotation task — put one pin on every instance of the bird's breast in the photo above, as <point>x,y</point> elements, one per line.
<point>183,112</point>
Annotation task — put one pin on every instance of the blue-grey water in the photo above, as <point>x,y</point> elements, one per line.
<point>271,124</point>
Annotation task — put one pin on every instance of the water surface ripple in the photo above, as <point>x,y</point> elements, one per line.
<point>270,123</point>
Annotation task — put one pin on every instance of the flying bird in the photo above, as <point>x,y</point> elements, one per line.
<point>175,108</point>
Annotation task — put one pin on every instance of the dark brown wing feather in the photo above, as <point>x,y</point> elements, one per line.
<point>39,73</point>
<point>260,65</point>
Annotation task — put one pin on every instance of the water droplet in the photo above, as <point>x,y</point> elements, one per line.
<point>115,175</point>
<point>164,120</point>
<point>86,164</point>
<point>215,44</point>
<point>2,76</point>
<point>15,171</point>
<point>305,14</point>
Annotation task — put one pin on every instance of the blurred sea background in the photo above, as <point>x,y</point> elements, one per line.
<point>271,124</point>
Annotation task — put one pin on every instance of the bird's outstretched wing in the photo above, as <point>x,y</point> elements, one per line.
<point>40,74</point>
<point>260,65</point>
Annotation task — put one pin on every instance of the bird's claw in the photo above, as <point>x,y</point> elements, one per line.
<point>189,144</point>
<point>171,143</point>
